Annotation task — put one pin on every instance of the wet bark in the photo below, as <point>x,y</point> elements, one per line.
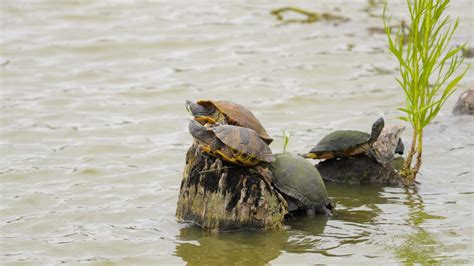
<point>231,198</point>
<point>359,170</point>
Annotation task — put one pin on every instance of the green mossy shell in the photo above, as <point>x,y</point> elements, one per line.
<point>299,179</point>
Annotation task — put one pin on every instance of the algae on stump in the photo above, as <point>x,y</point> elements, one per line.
<point>360,169</point>
<point>231,198</point>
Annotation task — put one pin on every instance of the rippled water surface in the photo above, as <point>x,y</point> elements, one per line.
<point>94,131</point>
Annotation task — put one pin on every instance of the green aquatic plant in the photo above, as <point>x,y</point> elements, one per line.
<point>286,138</point>
<point>428,69</point>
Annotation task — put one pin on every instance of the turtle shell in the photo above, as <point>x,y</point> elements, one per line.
<point>342,143</point>
<point>244,143</point>
<point>238,115</point>
<point>300,180</point>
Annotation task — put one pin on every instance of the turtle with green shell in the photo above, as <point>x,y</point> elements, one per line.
<point>347,143</point>
<point>238,145</point>
<point>226,112</point>
<point>301,184</point>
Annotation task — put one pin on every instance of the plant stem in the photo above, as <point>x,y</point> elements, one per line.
<point>407,165</point>
<point>419,152</point>
<point>425,80</point>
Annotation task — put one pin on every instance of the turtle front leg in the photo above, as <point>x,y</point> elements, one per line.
<point>310,212</point>
<point>215,145</point>
<point>218,166</point>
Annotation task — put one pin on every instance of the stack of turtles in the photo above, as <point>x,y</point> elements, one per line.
<point>229,139</point>
<point>232,180</point>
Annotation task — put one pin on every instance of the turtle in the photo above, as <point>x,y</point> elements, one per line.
<point>226,112</point>
<point>238,145</point>
<point>346,143</point>
<point>301,184</point>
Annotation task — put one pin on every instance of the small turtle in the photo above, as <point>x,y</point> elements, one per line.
<point>301,184</point>
<point>226,112</point>
<point>234,144</point>
<point>346,143</point>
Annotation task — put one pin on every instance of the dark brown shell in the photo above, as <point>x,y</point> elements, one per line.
<point>238,115</point>
<point>244,140</point>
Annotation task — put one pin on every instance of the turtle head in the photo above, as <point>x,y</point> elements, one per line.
<point>200,133</point>
<point>377,128</point>
<point>400,147</point>
<point>202,114</point>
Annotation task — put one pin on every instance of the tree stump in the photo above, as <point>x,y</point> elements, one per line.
<point>359,169</point>
<point>465,103</point>
<point>228,197</point>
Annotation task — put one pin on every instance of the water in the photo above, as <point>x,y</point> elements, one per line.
<point>93,132</point>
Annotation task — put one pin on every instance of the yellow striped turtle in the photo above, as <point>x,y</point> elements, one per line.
<point>226,112</point>
<point>239,145</point>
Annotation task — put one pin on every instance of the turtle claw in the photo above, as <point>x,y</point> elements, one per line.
<point>223,181</point>
<point>218,166</point>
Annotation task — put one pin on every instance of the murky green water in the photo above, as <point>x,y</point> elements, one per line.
<point>93,132</point>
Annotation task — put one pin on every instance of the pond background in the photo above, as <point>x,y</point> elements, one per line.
<point>94,131</point>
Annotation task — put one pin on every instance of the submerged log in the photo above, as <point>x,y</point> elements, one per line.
<point>228,197</point>
<point>359,169</point>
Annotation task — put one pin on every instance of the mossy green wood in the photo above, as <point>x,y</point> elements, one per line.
<point>299,179</point>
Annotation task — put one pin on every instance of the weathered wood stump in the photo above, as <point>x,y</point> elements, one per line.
<point>359,169</point>
<point>465,103</point>
<point>228,197</point>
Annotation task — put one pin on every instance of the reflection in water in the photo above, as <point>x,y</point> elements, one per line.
<point>305,234</point>
<point>356,204</point>
<point>241,248</point>
<point>355,221</point>
<point>419,246</point>
<point>356,211</point>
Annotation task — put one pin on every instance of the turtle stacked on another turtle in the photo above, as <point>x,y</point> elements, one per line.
<point>230,132</point>
<point>226,112</point>
<point>238,145</point>
<point>226,181</point>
